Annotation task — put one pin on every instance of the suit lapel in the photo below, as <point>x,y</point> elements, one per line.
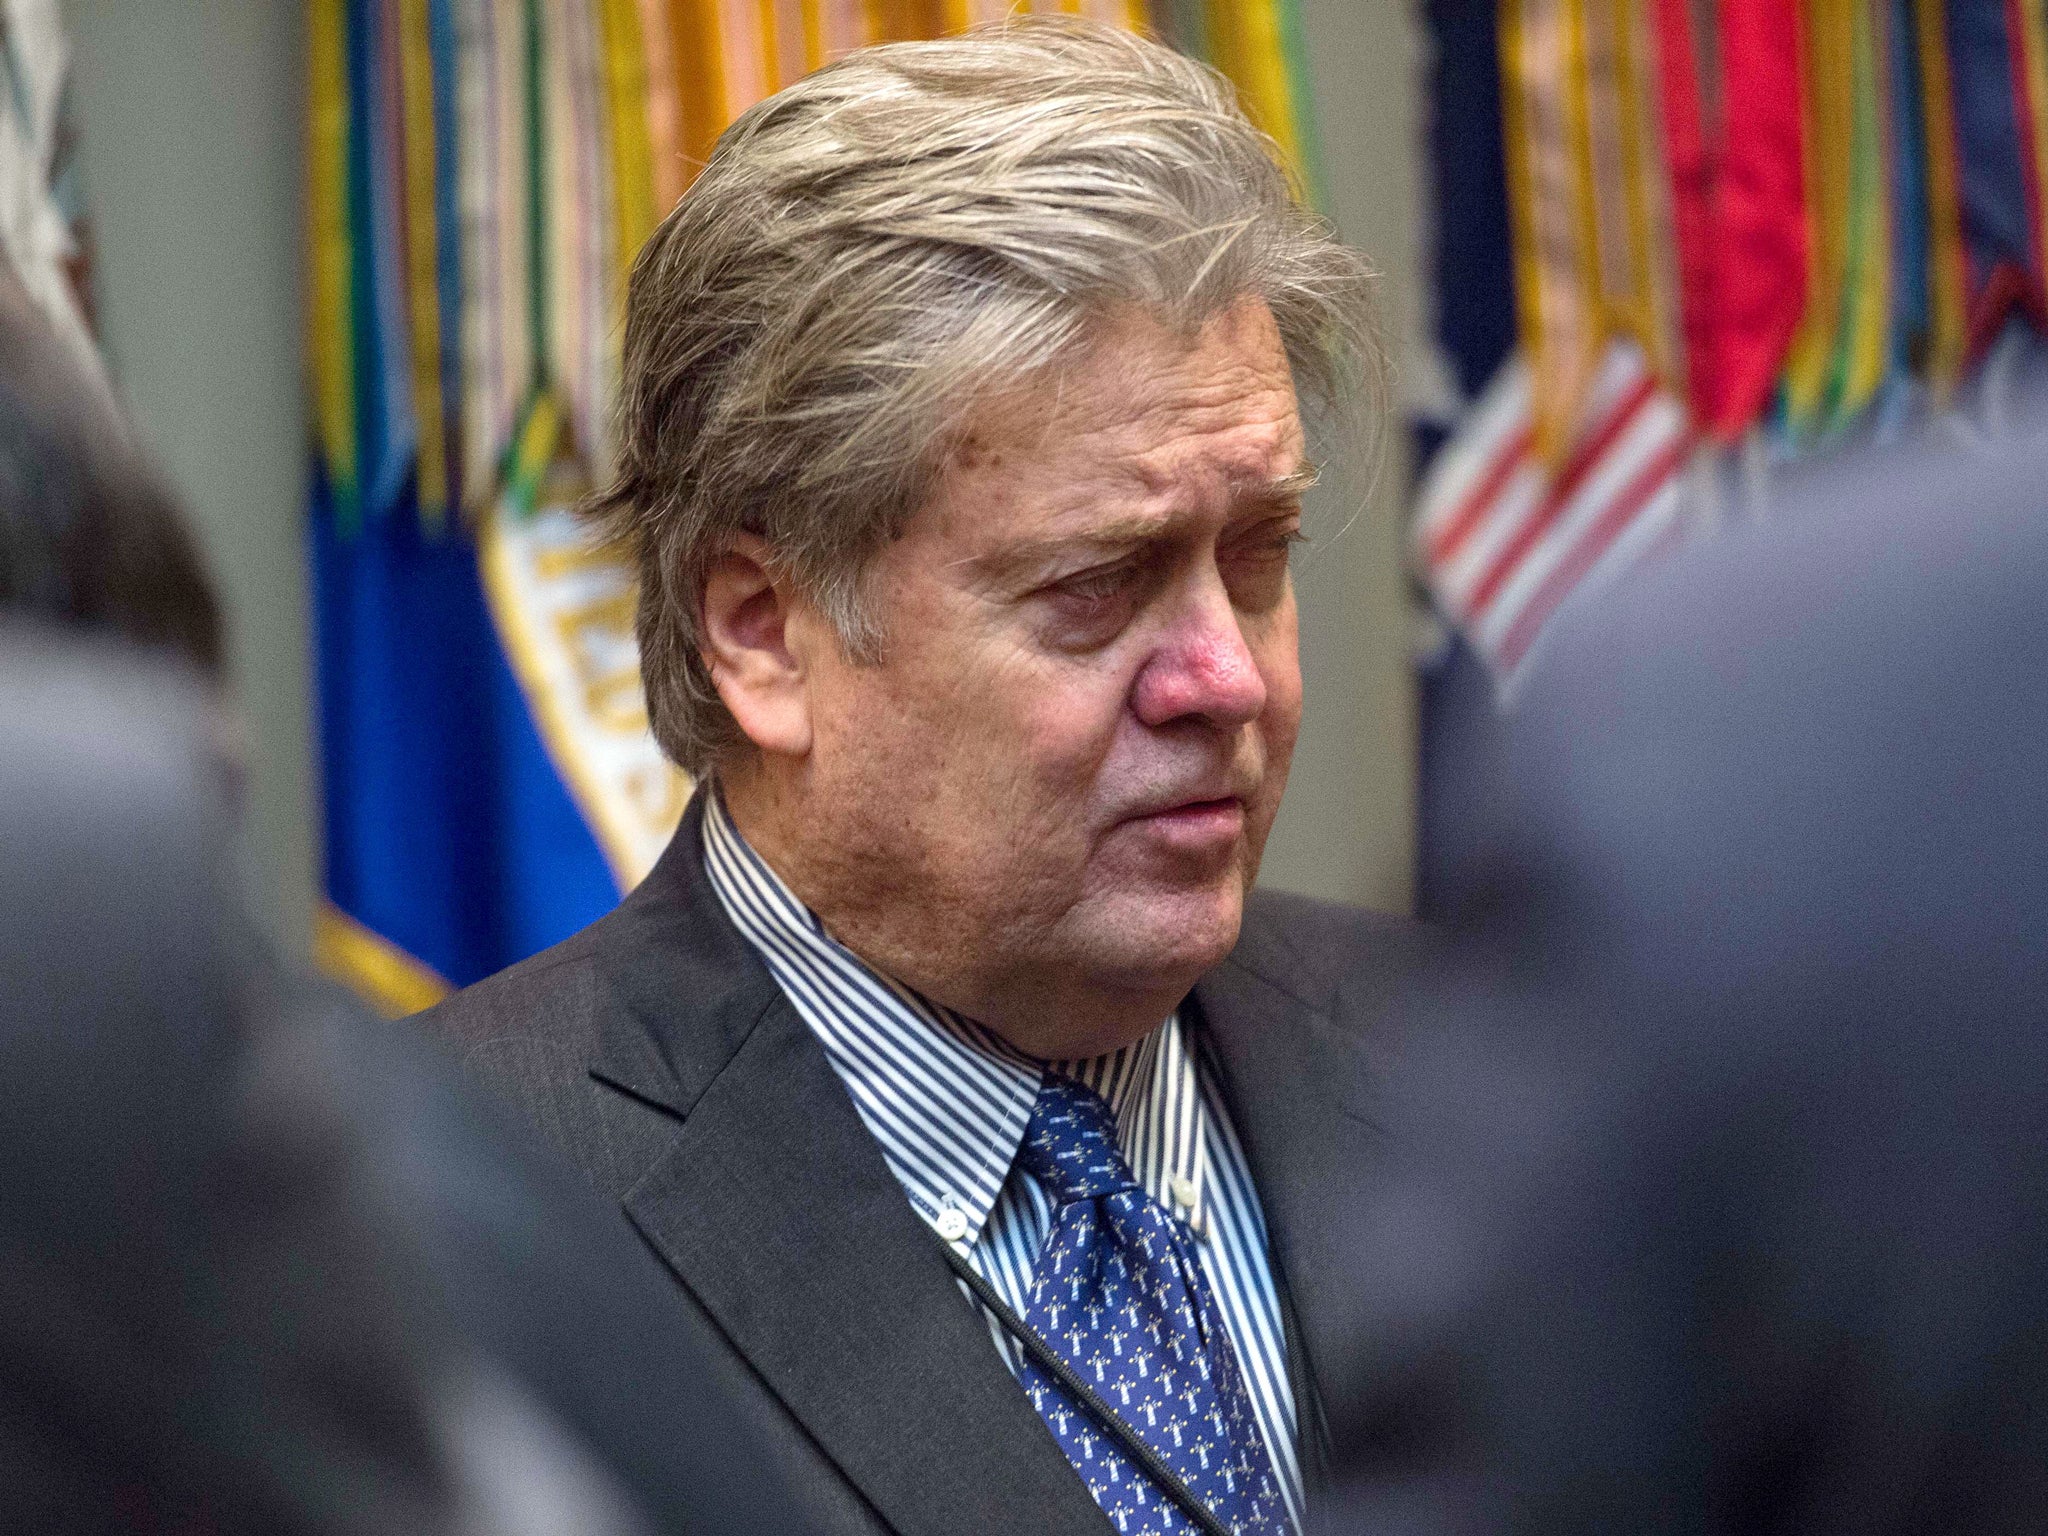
<point>773,1205</point>
<point>1299,1090</point>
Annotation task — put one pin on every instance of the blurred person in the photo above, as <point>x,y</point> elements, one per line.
<point>89,538</point>
<point>204,1326</point>
<point>1715,1195</point>
<point>267,1268</point>
<point>961,459</point>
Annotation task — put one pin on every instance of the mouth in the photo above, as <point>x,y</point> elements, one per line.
<point>1195,825</point>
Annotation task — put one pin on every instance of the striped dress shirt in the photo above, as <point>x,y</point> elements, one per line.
<point>948,1101</point>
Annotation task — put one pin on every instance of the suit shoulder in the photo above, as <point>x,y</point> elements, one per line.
<point>546,986</point>
<point>1313,949</point>
<point>529,1035</point>
<point>527,1032</point>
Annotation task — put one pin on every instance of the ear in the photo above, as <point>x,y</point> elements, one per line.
<point>745,635</point>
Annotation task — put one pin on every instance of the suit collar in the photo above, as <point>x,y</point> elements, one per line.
<point>682,989</point>
<point>947,1100</point>
<point>1300,1094</point>
<point>773,1205</point>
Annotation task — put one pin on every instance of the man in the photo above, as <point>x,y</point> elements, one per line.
<point>268,1268</point>
<point>1719,1205</point>
<point>961,461</point>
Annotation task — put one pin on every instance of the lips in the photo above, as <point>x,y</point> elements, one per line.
<point>1195,825</point>
<point>1208,795</point>
<point>1197,806</point>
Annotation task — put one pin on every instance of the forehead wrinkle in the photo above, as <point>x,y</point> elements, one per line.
<point>1111,395</point>
<point>1239,444</point>
<point>1129,532</point>
<point>1165,492</point>
<point>1118,450</point>
<point>1243,480</point>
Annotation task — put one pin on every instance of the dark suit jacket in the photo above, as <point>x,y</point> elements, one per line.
<point>656,1050</point>
<point>176,1290</point>
<point>266,1267</point>
<point>1720,1192</point>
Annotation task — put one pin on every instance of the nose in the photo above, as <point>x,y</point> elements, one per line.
<point>1203,669</point>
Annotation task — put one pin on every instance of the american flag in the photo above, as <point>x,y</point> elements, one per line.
<point>1504,538</point>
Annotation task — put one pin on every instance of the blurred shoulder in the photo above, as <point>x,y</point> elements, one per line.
<point>1328,954</point>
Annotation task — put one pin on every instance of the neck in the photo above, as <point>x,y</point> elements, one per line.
<point>887,916</point>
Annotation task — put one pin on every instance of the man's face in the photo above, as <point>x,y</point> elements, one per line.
<point>1045,803</point>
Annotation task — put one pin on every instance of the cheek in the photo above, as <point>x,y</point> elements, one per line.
<point>1278,656</point>
<point>1068,720</point>
<point>987,732</point>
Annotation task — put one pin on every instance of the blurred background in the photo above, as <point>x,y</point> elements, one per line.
<point>354,267</point>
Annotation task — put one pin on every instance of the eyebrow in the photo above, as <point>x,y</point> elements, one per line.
<point>1126,533</point>
<point>1286,487</point>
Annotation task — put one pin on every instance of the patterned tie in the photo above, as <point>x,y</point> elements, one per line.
<point>1120,1295</point>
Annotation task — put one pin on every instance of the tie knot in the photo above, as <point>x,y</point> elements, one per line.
<point>1070,1144</point>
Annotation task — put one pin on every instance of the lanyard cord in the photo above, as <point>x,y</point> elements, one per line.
<point>1048,1360</point>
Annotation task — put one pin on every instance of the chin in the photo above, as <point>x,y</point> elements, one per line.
<point>1168,938</point>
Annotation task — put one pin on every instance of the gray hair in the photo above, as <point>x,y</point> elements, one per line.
<point>893,239</point>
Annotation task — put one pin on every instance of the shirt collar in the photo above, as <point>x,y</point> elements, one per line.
<point>947,1099</point>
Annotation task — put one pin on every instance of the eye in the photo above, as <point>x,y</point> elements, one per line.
<point>1255,568</point>
<point>1097,585</point>
<point>1090,608</point>
<point>1277,545</point>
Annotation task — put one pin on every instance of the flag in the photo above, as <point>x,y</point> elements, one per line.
<point>44,237</point>
<point>1996,53</point>
<point>1855,213</point>
<point>1504,538</point>
<point>1659,216</point>
<point>1260,46</point>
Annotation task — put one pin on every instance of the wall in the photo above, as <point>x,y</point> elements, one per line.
<point>1347,828</point>
<point>191,114</point>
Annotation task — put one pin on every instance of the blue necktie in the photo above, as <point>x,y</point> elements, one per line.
<point>1119,1294</point>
